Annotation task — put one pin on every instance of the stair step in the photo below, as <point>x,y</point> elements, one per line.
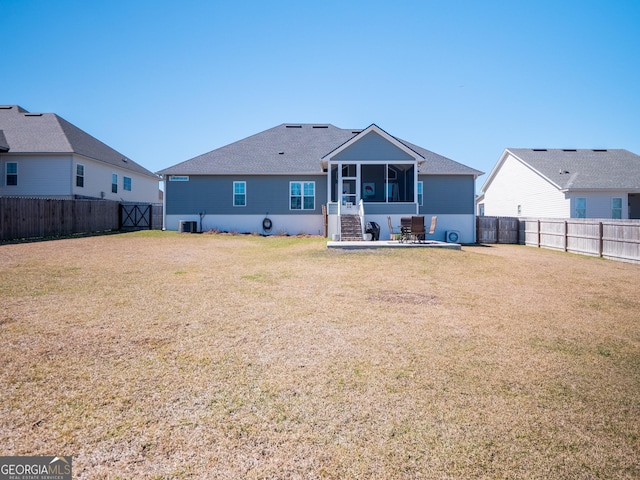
<point>350,230</point>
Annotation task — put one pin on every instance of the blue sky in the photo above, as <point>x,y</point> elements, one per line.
<point>163,81</point>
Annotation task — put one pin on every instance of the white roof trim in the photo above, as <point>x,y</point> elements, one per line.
<point>501,161</point>
<point>372,128</point>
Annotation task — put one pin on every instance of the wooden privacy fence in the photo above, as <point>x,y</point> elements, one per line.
<point>29,218</point>
<point>607,238</point>
<point>23,218</point>
<point>497,229</point>
<point>613,239</point>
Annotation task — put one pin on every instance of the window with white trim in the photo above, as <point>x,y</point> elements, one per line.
<point>302,195</point>
<point>79,175</point>
<point>239,194</point>
<point>12,173</point>
<point>126,183</point>
<point>114,183</point>
<point>616,207</point>
<point>581,207</point>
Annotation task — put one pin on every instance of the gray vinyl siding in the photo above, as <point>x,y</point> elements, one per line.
<point>265,193</point>
<point>372,147</point>
<point>448,194</point>
<point>38,175</point>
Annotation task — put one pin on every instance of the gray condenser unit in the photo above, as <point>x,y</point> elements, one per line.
<point>188,226</point>
<point>452,236</point>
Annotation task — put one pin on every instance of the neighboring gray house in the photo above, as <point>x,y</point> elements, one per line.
<point>43,155</point>
<point>563,183</point>
<point>293,173</point>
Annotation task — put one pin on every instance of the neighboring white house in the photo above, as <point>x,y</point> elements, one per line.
<point>43,155</point>
<point>563,183</point>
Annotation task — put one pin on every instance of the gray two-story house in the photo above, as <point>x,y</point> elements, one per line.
<point>43,155</point>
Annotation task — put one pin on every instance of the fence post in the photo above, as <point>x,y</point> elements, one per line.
<point>600,239</point>
<point>566,235</point>
<point>539,236</point>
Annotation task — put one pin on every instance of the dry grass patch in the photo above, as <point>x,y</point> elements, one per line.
<point>158,355</point>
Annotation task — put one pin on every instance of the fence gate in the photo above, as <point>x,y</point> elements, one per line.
<point>135,216</point>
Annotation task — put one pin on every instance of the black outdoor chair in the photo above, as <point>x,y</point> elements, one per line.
<point>405,229</point>
<point>418,233</point>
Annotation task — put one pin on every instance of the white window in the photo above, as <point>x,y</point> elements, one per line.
<point>114,183</point>
<point>239,194</point>
<point>79,175</point>
<point>420,193</point>
<point>302,195</point>
<point>616,207</point>
<point>12,173</point>
<point>126,183</point>
<point>581,207</point>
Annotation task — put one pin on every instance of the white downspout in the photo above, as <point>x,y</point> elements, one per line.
<point>339,192</point>
<point>164,202</point>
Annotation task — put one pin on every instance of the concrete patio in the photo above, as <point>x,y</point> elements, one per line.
<point>362,244</point>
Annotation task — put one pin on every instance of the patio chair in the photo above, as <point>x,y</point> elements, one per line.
<point>418,233</point>
<point>432,229</point>
<point>392,234</point>
<point>405,229</point>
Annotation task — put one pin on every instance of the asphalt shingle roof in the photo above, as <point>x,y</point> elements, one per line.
<point>4,145</point>
<point>584,169</point>
<point>293,148</point>
<point>26,132</point>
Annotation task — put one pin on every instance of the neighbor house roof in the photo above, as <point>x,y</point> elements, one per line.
<point>33,133</point>
<point>582,169</point>
<point>294,149</point>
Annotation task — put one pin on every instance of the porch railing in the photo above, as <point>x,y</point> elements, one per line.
<point>361,215</point>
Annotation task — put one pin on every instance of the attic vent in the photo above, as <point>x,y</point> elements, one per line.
<point>539,149</point>
<point>320,126</point>
<point>5,107</point>
<point>599,150</point>
<point>356,131</point>
<point>569,150</point>
<point>32,114</point>
<point>124,160</point>
<point>294,126</point>
<point>280,153</point>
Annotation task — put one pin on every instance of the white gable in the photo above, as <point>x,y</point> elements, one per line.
<point>373,144</point>
<point>512,183</point>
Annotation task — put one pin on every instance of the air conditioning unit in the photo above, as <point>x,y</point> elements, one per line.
<point>452,236</point>
<point>188,226</point>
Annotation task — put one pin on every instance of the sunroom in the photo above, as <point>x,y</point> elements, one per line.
<point>372,176</point>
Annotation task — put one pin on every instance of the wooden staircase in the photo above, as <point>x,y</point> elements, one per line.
<point>350,228</point>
